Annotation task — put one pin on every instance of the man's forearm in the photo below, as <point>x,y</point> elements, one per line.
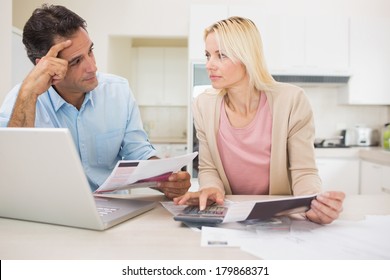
<point>23,114</point>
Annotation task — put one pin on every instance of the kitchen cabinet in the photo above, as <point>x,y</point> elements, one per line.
<point>374,178</point>
<point>327,44</point>
<point>301,45</point>
<point>339,174</point>
<point>386,179</point>
<point>370,62</point>
<point>161,80</point>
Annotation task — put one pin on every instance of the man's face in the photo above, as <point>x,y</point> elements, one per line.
<point>81,74</point>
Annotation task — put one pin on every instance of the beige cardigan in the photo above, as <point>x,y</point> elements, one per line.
<point>293,169</point>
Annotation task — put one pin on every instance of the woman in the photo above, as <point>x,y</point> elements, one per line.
<point>255,135</point>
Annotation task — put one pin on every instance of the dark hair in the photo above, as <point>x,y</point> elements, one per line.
<point>45,25</point>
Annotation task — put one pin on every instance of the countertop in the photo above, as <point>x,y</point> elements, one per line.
<point>377,155</point>
<point>161,140</point>
<point>374,154</point>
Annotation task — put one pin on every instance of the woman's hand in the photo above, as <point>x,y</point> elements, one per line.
<point>204,197</point>
<point>326,207</point>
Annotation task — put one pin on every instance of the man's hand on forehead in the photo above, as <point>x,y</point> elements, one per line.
<point>57,48</point>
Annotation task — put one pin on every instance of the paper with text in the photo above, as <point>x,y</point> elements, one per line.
<point>304,240</point>
<point>129,174</point>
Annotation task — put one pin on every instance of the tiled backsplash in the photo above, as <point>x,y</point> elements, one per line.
<point>330,117</point>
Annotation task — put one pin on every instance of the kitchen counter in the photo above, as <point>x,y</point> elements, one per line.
<point>374,154</point>
<point>168,140</point>
<point>377,155</point>
<point>352,152</point>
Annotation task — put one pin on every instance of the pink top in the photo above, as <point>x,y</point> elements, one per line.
<point>245,152</point>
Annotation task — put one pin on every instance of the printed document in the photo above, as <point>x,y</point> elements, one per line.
<point>304,240</point>
<point>129,174</point>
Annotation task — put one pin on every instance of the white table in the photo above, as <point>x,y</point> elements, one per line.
<point>152,235</point>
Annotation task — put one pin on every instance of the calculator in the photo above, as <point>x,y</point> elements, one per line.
<point>213,214</point>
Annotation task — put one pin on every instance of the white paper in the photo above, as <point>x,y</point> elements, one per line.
<point>125,177</point>
<point>238,211</point>
<point>173,208</point>
<point>304,240</point>
<point>233,234</point>
<point>219,237</point>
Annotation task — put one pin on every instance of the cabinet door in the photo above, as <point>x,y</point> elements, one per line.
<point>161,79</point>
<point>175,77</point>
<point>201,16</point>
<point>339,174</point>
<point>370,178</point>
<point>283,37</point>
<point>327,43</point>
<point>301,45</point>
<point>385,179</point>
<point>150,69</point>
<point>370,62</point>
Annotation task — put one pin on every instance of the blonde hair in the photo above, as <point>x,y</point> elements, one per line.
<point>240,40</point>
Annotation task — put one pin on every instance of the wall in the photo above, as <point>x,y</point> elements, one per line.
<point>330,117</point>
<point>5,47</point>
<point>135,18</point>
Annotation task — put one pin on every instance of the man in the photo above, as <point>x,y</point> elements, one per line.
<point>64,89</point>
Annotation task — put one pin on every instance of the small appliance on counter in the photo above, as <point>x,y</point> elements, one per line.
<point>360,136</point>
<point>333,142</point>
<point>348,137</point>
<point>366,136</point>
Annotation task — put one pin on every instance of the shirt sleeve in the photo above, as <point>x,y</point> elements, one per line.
<point>7,106</point>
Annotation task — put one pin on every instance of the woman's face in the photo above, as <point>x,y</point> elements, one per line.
<point>223,72</point>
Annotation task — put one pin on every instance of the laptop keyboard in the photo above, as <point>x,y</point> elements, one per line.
<point>103,211</point>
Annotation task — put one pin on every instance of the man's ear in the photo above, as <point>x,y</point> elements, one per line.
<point>37,60</point>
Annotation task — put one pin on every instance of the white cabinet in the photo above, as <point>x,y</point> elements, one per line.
<point>374,178</point>
<point>161,80</point>
<point>327,43</point>
<point>370,62</point>
<point>283,37</point>
<point>386,179</point>
<point>339,174</point>
<point>202,16</point>
<point>301,45</point>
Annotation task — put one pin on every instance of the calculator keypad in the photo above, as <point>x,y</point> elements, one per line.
<point>213,210</point>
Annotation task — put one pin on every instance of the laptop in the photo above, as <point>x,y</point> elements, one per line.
<point>42,180</point>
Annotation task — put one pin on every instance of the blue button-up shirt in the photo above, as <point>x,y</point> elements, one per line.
<point>107,127</point>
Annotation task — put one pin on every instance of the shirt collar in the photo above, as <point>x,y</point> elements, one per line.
<point>58,101</point>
